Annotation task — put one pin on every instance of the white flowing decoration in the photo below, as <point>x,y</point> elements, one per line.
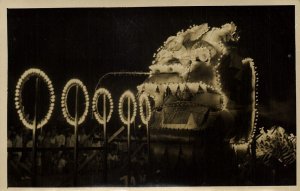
<point>174,68</point>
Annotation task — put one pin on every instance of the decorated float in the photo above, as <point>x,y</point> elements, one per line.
<point>199,104</point>
<point>205,98</point>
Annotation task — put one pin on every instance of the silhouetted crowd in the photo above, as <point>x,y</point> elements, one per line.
<point>52,161</point>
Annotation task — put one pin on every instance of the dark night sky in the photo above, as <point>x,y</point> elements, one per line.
<point>87,43</point>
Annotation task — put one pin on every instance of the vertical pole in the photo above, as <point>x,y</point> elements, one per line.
<point>34,134</point>
<point>105,139</point>
<point>148,149</point>
<point>148,141</point>
<point>148,135</point>
<point>129,140</point>
<point>253,151</point>
<point>76,137</point>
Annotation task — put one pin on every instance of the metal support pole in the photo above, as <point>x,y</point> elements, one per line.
<point>253,151</point>
<point>148,136</point>
<point>34,133</point>
<point>105,139</point>
<point>148,146</point>
<point>129,140</point>
<point>148,141</point>
<point>76,137</point>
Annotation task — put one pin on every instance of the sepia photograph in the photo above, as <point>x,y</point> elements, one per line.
<point>161,96</point>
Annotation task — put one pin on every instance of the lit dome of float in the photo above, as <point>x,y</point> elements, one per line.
<point>187,85</point>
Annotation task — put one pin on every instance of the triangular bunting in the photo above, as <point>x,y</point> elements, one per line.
<point>200,90</point>
<point>173,88</point>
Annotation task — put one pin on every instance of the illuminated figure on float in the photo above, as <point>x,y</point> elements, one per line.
<point>205,101</point>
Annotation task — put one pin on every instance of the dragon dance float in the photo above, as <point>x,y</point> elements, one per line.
<point>205,101</point>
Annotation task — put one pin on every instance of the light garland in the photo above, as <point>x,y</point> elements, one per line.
<point>218,81</point>
<point>18,97</point>
<point>254,96</point>
<point>175,48</point>
<point>129,95</point>
<point>178,68</point>
<point>71,83</point>
<point>98,93</point>
<point>145,100</point>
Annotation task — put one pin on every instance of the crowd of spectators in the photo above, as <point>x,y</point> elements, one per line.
<point>56,154</point>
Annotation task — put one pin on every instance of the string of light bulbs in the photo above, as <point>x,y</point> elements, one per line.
<point>107,94</point>
<point>71,83</point>
<point>125,96</point>
<point>254,96</point>
<point>144,101</point>
<point>18,97</point>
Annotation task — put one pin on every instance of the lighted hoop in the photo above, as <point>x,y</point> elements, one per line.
<point>98,93</point>
<point>129,95</point>
<point>71,83</point>
<point>18,97</point>
<point>145,115</point>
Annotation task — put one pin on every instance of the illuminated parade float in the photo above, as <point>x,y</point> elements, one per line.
<point>195,116</point>
<point>192,120</point>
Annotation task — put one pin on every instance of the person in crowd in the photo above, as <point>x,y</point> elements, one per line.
<point>18,169</point>
<point>60,139</point>
<point>52,138</point>
<point>112,159</point>
<point>27,157</point>
<point>19,161</point>
<point>109,160</point>
<point>89,141</point>
<point>40,138</point>
<point>10,138</point>
<point>95,140</point>
<point>40,142</point>
<point>46,142</point>
<point>47,154</point>
<point>70,139</point>
<point>82,137</point>
<point>62,162</point>
<point>18,142</point>
<point>39,162</point>
<point>29,142</point>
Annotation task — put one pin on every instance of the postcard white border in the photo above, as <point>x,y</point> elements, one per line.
<point>6,4</point>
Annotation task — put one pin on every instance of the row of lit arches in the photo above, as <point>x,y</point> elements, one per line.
<point>144,102</point>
